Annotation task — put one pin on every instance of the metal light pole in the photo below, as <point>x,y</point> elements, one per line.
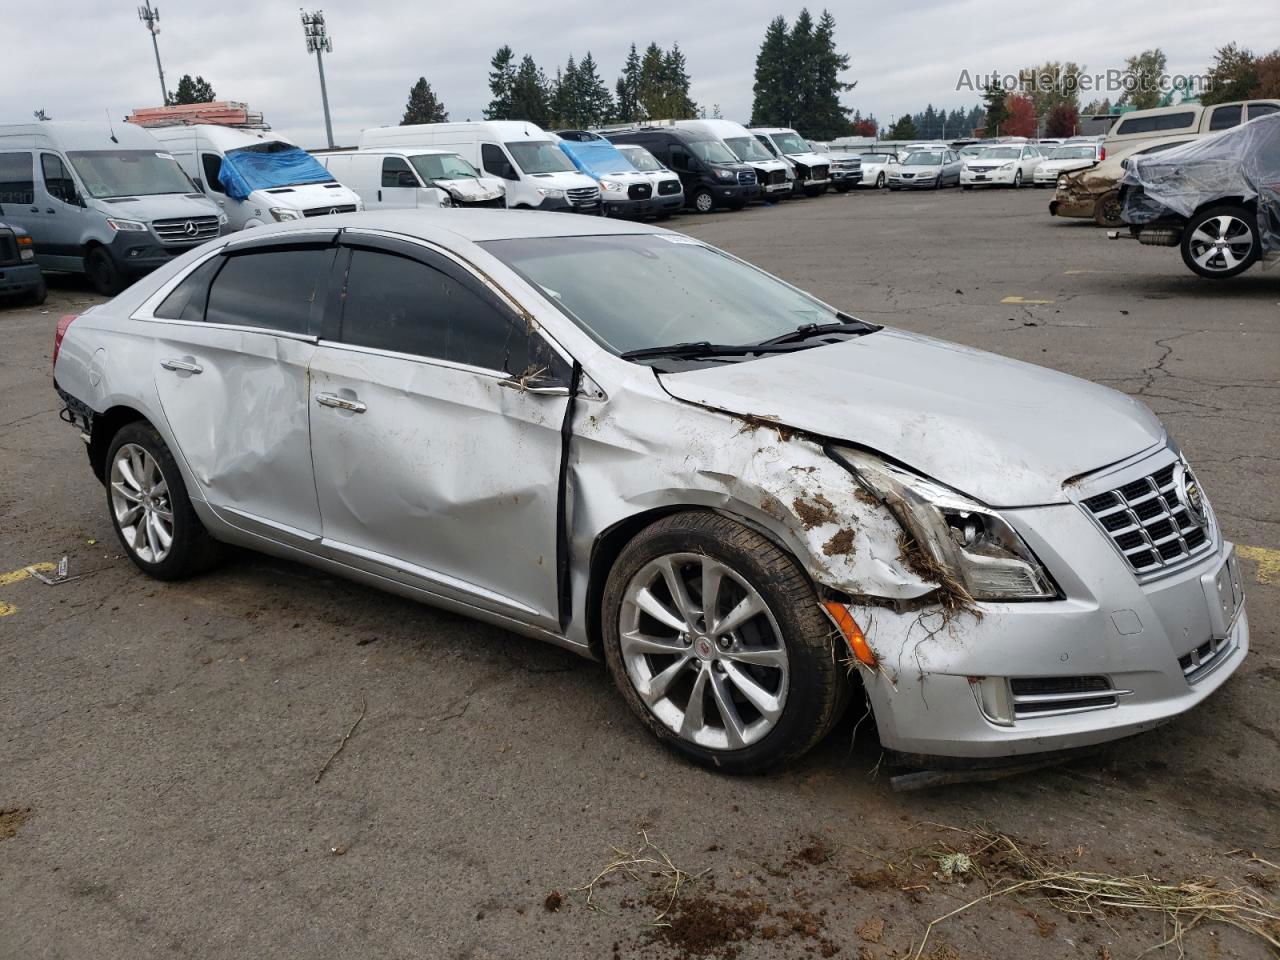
<point>318,42</point>
<point>150,17</point>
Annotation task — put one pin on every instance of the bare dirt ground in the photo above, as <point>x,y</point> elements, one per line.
<point>159,743</point>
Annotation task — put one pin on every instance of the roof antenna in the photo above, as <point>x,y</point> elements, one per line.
<point>107,111</point>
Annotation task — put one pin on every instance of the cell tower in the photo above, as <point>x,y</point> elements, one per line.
<point>150,16</point>
<point>318,42</point>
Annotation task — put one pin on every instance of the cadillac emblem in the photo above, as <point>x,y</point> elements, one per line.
<point>1190,494</point>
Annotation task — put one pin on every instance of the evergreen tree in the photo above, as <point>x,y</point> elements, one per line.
<point>627,90</point>
<point>772,104</point>
<point>675,75</point>
<point>800,60</point>
<point>530,95</point>
<point>824,117</point>
<point>423,107</point>
<point>997,110</point>
<point>192,90</point>
<point>563,95</point>
<point>595,103</point>
<point>652,93</point>
<point>502,81</point>
<point>903,129</point>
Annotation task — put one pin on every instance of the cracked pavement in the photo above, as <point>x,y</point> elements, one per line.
<point>166,736</point>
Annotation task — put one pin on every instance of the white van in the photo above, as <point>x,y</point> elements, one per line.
<point>1140,128</point>
<point>536,172</point>
<point>773,175</point>
<point>413,178</point>
<point>812,172</point>
<point>102,199</point>
<point>255,176</point>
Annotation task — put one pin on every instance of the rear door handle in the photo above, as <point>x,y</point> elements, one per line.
<point>185,366</point>
<point>340,403</point>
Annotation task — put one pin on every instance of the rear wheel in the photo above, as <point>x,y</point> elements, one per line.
<point>1221,242</point>
<point>149,507</point>
<point>716,640</point>
<point>103,272</point>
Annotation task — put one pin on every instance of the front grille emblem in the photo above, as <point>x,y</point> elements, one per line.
<point>1191,494</point>
<point>190,228</point>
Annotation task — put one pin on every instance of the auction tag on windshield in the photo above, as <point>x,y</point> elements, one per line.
<point>681,238</point>
<point>164,156</point>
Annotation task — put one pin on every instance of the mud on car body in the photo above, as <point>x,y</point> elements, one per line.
<point>626,442</point>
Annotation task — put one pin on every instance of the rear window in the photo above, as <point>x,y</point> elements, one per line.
<point>274,289</point>
<point>17,178</point>
<point>1161,121</point>
<point>189,298</point>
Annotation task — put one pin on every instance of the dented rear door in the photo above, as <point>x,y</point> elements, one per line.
<point>429,469</point>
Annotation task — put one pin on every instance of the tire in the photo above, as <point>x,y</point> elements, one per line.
<point>1017,179</point>
<point>37,295</point>
<point>103,272</point>
<point>139,462</point>
<point>1213,235</point>
<point>703,201</point>
<point>1106,212</point>
<point>880,182</point>
<point>795,667</point>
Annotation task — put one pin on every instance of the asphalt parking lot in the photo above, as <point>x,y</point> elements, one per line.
<point>160,743</point>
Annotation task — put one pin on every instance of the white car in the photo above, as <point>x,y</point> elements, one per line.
<point>668,194</point>
<point>1064,159</point>
<point>1003,165</point>
<point>875,169</point>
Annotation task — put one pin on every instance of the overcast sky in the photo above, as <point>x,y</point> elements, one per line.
<point>77,59</point>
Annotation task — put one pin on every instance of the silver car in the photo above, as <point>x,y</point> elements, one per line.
<point>623,441</point>
<point>926,169</point>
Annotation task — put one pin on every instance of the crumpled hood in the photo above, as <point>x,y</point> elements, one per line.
<point>1007,432</point>
<point>469,188</point>
<point>1062,166</point>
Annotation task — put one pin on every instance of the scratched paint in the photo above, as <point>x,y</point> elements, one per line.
<point>1268,562</point>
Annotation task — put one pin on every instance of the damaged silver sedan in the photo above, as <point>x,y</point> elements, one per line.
<point>615,438</point>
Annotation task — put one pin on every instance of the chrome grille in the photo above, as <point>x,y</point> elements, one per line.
<point>583,196</point>
<point>1148,522</point>
<point>186,229</point>
<point>1048,696</point>
<point>325,211</point>
<point>8,247</point>
<point>747,177</point>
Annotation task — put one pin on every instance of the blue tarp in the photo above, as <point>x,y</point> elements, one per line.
<point>596,158</point>
<point>244,171</point>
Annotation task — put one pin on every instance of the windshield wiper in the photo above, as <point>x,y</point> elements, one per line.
<point>703,348</point>
<point>807,330</point>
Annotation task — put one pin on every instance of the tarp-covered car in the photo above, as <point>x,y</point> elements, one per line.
<point>1217,198</point>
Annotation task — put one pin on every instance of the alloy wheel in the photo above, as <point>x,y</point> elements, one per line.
<point>141,504</point>
<point>704,202</point>
<point>703,651</point>
<point>1221,243</point>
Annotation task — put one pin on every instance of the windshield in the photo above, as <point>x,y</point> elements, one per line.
<point>1001,153</point>
<point>539,156</point>
<point>129,173</point>
<point>790,143</point>
<point>923,159</point>
<point>748,148</point>
<point>876,157</point>
<point>1072,153</point>
<point>711,151</point>
<point>661,289</point>
<point>641,159</point>
<point>442,166</point>
<point>972,151</point>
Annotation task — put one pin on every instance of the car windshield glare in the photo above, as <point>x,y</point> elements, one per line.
<point>1001,153</point>
<point>711,151</point>
<point>662,289</point>
<point>924,160</point>
<point>748,148</point>
<point>641,159</point>
<point>539,156</point>
<point>790,143</point>
<point>443,166</point>
<point>129,173</point>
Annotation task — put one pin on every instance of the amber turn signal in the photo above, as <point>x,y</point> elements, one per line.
<point>852,633</point>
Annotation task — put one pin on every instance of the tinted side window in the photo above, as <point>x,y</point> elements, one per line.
<point>188,299</point>
<point>679,157</point>
<point>1261,110</point>
<point>392,168</point>
<point>394,303</point>
<point>1226,117</point>
<point>1161,121</point>
<point>496,162</point>
<point>275,289</point>
<point>211,163</point>
<point>17,178</point>
<point>56,178</point>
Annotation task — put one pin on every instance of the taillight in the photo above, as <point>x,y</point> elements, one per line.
<point>1102,154</point>
<point>63,324</point>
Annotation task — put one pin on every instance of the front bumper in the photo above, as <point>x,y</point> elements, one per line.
<point>19,279</point>
<point>626,207</point>
<point>735,192</point>
<point>928,688</point>
<point>987,178</point>
<point>846,176</point>
<point>1069,206</point>
<point>907,184</point>
<point>136,252</point>
<point>561,205</point>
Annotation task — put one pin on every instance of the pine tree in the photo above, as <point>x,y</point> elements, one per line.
<point>825,118</point>
<point>502,81</point>
<point>423,107</point>
<point>652,93</point>
<point>800,67</point>
<point>772,104</point>
<point>997,110</point>
<point>676,81</point>
<point>627,90</point>
<point>530,96</point>
<point>903,129</point>
<point>193,90</point>
<point>596,103</point>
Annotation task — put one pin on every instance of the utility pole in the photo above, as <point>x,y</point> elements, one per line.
<point>150,17</point>
<point>318,42</point>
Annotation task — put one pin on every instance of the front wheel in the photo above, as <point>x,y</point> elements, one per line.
<point>149,507</point>
<point>38,294</point>
<point>880,182</point>
<point>703,201</point>
<point>1221,242</point>
<point>1017,179</point>
<point>716,640</point>
<point>1106,212</point>
<point>103,272</point>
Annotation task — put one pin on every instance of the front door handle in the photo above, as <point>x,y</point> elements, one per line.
<point>185,366</point>
<point>340,403</point>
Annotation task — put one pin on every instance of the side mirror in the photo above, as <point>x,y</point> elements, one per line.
<point>406,179</point>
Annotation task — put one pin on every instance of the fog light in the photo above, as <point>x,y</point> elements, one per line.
<point>994,699</point>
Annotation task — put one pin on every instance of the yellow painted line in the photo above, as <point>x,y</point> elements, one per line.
<point>16,576</point>
<point>6,609</point>
<point>1268,562</point>
<point>1021,300</point>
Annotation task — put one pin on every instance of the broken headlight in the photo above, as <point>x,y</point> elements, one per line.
<point>960,537</point>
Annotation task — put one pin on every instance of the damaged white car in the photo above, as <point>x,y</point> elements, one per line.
<point>750,505</point>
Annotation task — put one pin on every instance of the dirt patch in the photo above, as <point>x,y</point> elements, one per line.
<point>753,422</point>
<point>951,594</point>
<point>860,493</point>
<point>814,853</point>
<point>871,930</point>
<point>11,821</point>
<point>814,512</point>
<point>554,901</point>
<point>840,545</point>
<point>702,925</point>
